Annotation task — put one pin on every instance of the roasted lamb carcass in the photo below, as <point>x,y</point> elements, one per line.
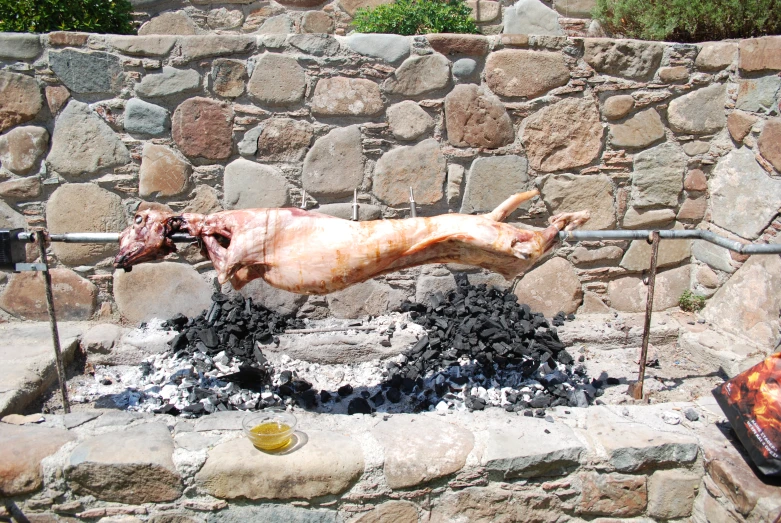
<point>311,253</point>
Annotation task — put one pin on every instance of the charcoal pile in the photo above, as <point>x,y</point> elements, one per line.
<point>481,348</point>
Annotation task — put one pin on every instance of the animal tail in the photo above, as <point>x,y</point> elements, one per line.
<point>509,205</point>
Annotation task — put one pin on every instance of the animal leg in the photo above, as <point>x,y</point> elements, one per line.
<point>218,255</point>
<point>510,204</point>
<point>569,220</point>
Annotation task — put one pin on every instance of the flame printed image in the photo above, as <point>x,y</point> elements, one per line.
<point>752,403</point>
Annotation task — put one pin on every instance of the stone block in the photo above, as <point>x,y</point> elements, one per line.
<point>277,300</point>
<point>93,72</point>
<point>145,118</point>
<point>643,219</point>
<point>284,140</point>
<point>229,77</point>
<point>693,209</point>
<point>617,495</point>
<point>583,256</point>
<point>144,45</point>
<point>207,46</point>
<point>19,46</point>
<point>627,58</point>
<point>759,95</point>
<point>744,199</point>
<point>476,118</point>
<point>671,494</point>
<point>24,448</point>
<point>676,74</point>
<point>458,44</point>
<point>408,121</point>
<point>20,189</point>
<point>563,136</point>
<point>21,148</point>
<point>25,296</point>
<point>327,464</point>
<point>163,173</point>
<point>352,6</point>
<point>671,252</point>
<point>714,56</point>
<point>745,304</point>
<point>390,48</point>
<point>695,181</point>
<point>552,287</point>
<point>169,23</point>
<point>464,69</point>
<point>532,449</point>
<point>250,185</point>
<point>572,193</point>
<point>492,180</point>
<point>315,44</point>
<point>66,212</point>
<point>342,96</point>
<point>203,200</point>
<point>160,290</point>
<point>287,513</point>
<point>344,211</point>
<point>101,338</point>
<point>142,472</point>
<point>317,22</point>
<point>372,297</point>
<point>439,449</point>
<point>617,106</point>
<point>339,152</point>
<point>715,256</point>
<point>169,82</point>
<point>10,219</point>
<point>739,124</point>
<point>203,128</point>
<point>699,112</point>
<point>575,8</point>
<point>20,99</point>
<point>420,166</point>
<point>628,294</point>
<point>277,80</point>
<point>419,75</point>
<point>391,511</point>
<point>636,447</point>
<point>657,179</point>
<point>29,368</point>
<point>56,96</point>
<point>279,26</point>
<point>83,144</point>
<point>479,504</point>
<point>484,10</point>
<point>531,17</point>
<point>641,130</point>
<point>770,142</point>
<point>528,74</point>
<point>760,54</point>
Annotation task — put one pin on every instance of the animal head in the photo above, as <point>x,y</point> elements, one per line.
<point>147,238</point>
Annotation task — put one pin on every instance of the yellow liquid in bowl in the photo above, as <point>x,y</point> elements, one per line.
<point>270,435</point>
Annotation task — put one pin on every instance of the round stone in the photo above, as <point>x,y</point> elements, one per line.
<point>66,211</point>
<point>204,128</point>
<point>617,107</point>
<point>163,172</point>
<point>229,77</point>
<point>408,121</point>
<point>317,22</point>
<point>20,99</point>
<point>277,80</point>
<point>250,185</point>
<point>464,68</point>
<point>21,148</point>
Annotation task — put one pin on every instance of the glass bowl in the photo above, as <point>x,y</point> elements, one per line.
<point>269,430</point>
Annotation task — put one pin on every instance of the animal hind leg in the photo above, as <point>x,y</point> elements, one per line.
<point>509,205</point>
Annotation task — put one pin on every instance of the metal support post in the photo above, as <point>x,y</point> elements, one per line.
<point>637,388</point>
<point>413,208</point>
<point>41,238</point>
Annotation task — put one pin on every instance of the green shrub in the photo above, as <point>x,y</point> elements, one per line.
<point>43,16</point>
<point>414,17</point>
<point>689,20</point>
<point>690,302</point>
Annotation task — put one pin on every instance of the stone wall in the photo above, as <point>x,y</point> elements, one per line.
<point>183,17</point>
<point>641,134</point>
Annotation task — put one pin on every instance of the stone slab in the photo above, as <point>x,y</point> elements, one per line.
<point>19,46</point>
<point>327,463</point>
<point>420,450</point>
<point>634,446</point>
<point>23,450</point>
<point>28,367</point>
<point>532,449</point>
<point>142,472</point>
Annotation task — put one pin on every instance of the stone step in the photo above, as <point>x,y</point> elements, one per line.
<point>29,367</point>
<point>611,461</point>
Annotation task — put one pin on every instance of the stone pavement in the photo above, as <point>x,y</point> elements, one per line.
<point>27,356</point>
<point>576,465</point>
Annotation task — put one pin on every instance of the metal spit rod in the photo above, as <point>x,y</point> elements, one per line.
<point>568,236</point>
